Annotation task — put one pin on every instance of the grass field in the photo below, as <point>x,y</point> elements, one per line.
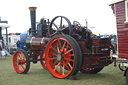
<point>110,75</point>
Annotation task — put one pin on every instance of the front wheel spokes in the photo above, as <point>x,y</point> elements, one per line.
<point>20,56</point>
<point>22,67</point>
<point>22,60</point>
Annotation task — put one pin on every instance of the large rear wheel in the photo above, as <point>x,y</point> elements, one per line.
<point>21,61</point>
<point>62,57</point>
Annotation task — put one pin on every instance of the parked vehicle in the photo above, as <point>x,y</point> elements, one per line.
<point>120,9</point>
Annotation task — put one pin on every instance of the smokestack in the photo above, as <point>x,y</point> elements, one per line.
<point>33,19</point>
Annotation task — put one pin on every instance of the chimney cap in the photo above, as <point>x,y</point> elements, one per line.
<point>32,8</point>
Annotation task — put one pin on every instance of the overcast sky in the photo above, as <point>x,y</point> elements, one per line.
<point>98,13</point>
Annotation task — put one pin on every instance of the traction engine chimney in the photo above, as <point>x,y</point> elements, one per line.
<point>33,20</point>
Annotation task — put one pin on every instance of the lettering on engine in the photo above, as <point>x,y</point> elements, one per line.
<point>104,49</point>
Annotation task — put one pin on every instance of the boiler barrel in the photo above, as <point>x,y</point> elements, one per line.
<point>36,43</point>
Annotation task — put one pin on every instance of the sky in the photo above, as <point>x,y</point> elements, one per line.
<point>97,12</point>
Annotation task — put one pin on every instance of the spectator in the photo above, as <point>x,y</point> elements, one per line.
<point>1,48</point>
<point>18,45</point>
<point>21,43</point>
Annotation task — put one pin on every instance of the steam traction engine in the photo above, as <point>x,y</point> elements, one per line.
<point>63,48</point>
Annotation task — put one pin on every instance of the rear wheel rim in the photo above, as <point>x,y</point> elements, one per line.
<point>19,62</point>
<point>60,57</point>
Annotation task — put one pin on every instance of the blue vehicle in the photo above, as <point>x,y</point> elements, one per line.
<point>24,35</point>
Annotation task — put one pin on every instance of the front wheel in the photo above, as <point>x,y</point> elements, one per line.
<point>62,57</point>
<point>21,61</point>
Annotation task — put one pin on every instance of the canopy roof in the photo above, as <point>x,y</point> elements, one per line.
<point>4,25</point>
<point>114,2</point>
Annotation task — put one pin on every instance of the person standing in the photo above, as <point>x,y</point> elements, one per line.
<point>1,48</point>
<point>21,43</point>
<point>18,45</point>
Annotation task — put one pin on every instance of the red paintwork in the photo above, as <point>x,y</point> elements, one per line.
<point>20,68</point>
<point>43,63</point>
<point>95,58</point>
<point>53,62</point>
<point>122,29</point>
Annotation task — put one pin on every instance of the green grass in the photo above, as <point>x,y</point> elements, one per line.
<point>110,75</point>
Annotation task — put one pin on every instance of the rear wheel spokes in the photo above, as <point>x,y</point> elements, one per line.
<point>55,62</point>
<point>59,42</point>
<point>68,51</point>
<point>54,54</point>
<point>68,59</point>
<point>62,66</point>
<point>55,50</point>
<point>67,67</point>
<point>56,66</point>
